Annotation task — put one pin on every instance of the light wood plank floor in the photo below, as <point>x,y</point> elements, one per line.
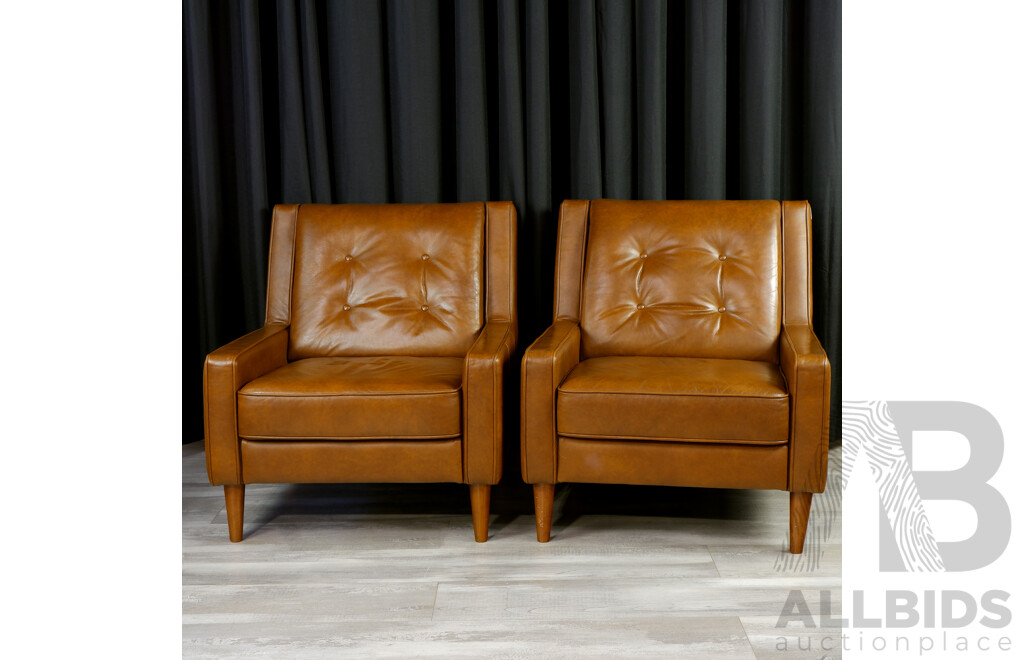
<point>393,571</point>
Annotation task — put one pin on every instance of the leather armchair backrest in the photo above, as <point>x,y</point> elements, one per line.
<point>378,279</point>
<point>680,278</point>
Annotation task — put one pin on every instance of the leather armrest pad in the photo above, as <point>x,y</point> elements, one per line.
<point>546,363</point>
<point>483,390</point>
<point>800,349</point>
<point>808,377</point>
<point>227,369</point>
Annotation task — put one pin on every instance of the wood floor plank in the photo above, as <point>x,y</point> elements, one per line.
<point>610,597</point>
<point>379,601</point>
<point>738,561</point>
<point>650,637</point>
<point>281,564</point>
<point>385,570</point>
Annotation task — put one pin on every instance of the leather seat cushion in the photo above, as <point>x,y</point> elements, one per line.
<point>355,398</point>
<point>674,399</point>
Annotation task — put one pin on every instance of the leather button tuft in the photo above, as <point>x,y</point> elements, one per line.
<point>346,307</point>
<point>721,309</point>
<point>639,306</point>
<point>424,308</point>
<point>348,257</point>
<point>425,257</point>
<point>643,255</point>
<point>722,257</point>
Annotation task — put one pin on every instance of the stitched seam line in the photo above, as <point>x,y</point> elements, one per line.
<point>234,405</point>
<point>494,406</point>
<point>807,256</point>
<point>299,438</point>
<point>464,418</point>
<point>270,271</point>
<point>554,420</point>
<point>583,260</point>
<point>645,394</point>
<point>494,413</point>
<point>206,422</point>
<point>488,283</point>
<point>291,267</point>
<point>823,442</point>
<point>332,396</point>
<point>661,443</point>
<point>524,406</point>
<point>823,445</point>
<point>795,391</point>
<point>558,263</point>
<point>785,279</point>
<point>511,259</point>
<point>708,441</point>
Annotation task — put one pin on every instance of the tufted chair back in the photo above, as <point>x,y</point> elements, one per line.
<point>682,279</point>
<point>366,279</point>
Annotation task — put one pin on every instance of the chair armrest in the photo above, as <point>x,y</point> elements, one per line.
<point>808,377</point>
<point>227,369</point>
<point>546,363</point>
<point>483,391</point>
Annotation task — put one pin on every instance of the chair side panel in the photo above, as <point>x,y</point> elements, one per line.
<point>572,243</point>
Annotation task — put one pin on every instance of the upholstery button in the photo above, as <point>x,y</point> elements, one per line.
<point>424,308</point>
<point>348,257</point>
<point>643,255</point>
<point>346,307</point>
<point>425,257</point>
<point>639,306</point>
<point>722,257</point>
<point>721,309</point>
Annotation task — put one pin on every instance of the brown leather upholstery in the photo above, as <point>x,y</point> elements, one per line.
<point>674,399</point>
<point>696,465</point>
<point>387,280</point>
<point>383,357</point>
<point>685,279</point>
<point>681,353</point>
<point>354,398</point>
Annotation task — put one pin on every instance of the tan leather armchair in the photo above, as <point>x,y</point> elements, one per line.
<point>682,354</point>
<point>383,357</point>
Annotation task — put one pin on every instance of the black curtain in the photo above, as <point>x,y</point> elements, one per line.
<point>529,100</point>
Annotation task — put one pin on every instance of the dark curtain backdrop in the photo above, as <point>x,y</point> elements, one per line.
<point>530,101</point>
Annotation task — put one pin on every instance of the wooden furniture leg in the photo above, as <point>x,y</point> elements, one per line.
<point>543,502</point>
<point>234,498</point>
<point>799,510</point>
<point>480,502</point>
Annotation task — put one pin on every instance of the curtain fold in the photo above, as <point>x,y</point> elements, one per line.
<point>472,165</point>
<point>651,97</point>
<point>705,38</point>
<point>523,100</point>
<point>359,118</point>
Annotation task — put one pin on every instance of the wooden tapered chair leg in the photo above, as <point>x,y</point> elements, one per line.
<point>799,510</point>
<point>480,501</point>
<point>234,498</point>
<point>543,502</point>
